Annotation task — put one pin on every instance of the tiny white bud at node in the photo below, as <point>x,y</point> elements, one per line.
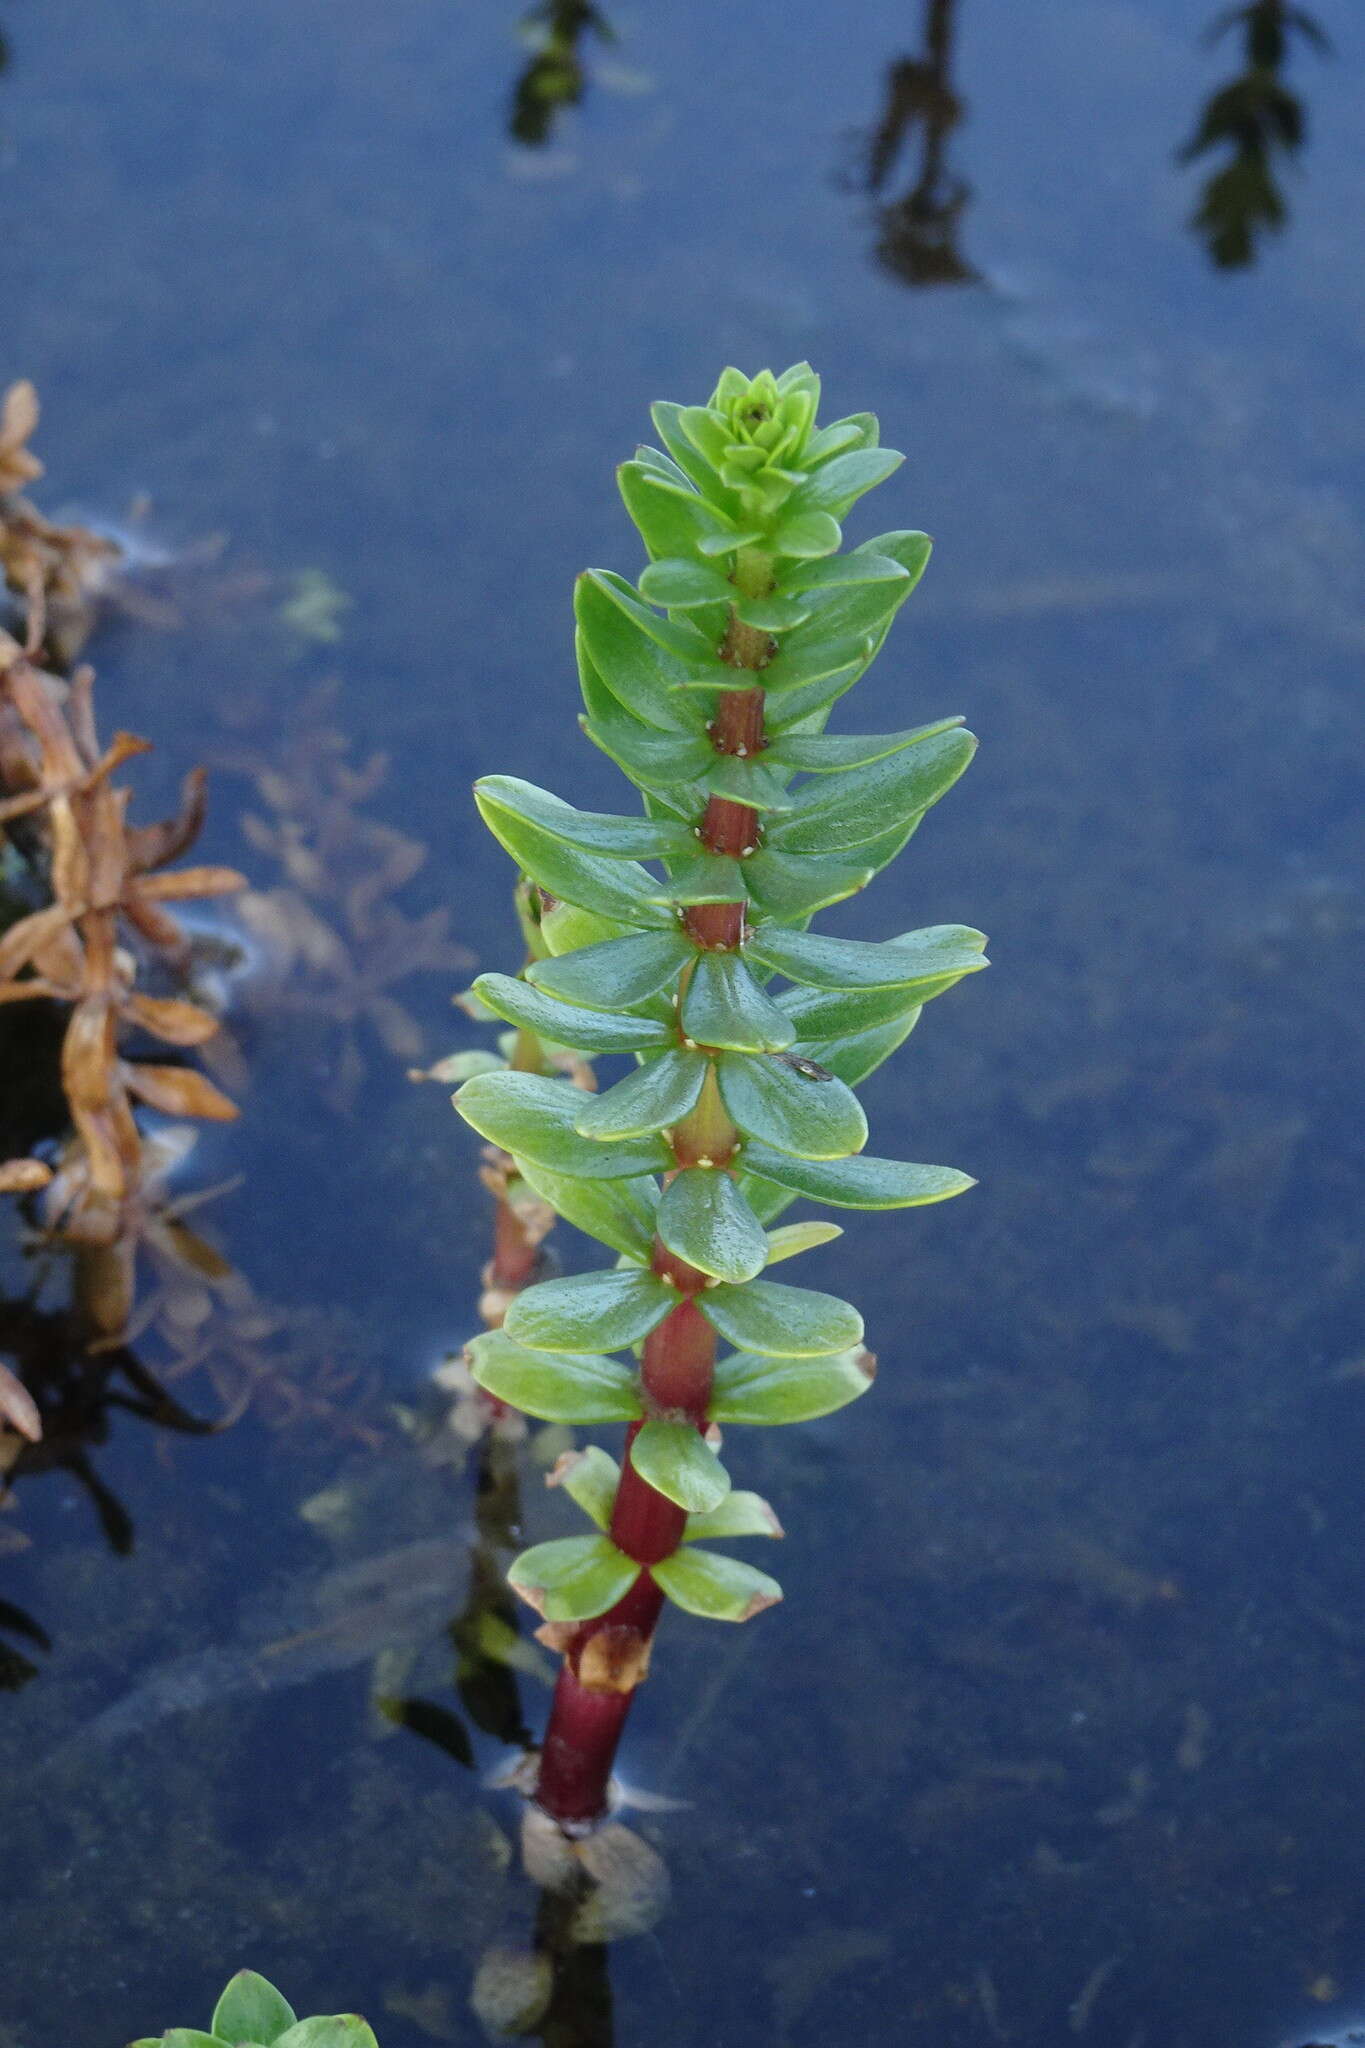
<point>703,1161</point>
<point>741,753</point>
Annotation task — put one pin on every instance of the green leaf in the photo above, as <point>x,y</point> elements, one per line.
<point>913,960</point>
<point>859,1183</point>
<point>755,1387</point>
<point>654,1098</point>
<point>810,657</point>
<point>832,440</point>
<point>674,1460</point>
<point>851,807</point>
<point>596,832</point>
<point>672,518</point>
<point>772,614</point>
<point>564,927</point>
<point>251,2009</point>
<point>739,1514</point>
<point>725,1006</point>
<point>684,586</point>
<point>668,426</point>
<point>654,760</point>
<point>840,482</point>
<point>806,535</point>
<point>705,1219</point>
<point>838,571</point>
<point>855,1057</point>
<point>619,1212</point>
<point>573,1578</point>
<point>678,637</point>
<point>796,1322</point>
<point>532,1117</point>
<point>582,1386</point>
<point>617,974</point>
<point>726,543</point>
<point>339,2030</point>
<point>182,2037</point>
<point>834,1013</point>
<point>825,753</point>
<point>794,1238</point>
<point>784,1104</point>
<point>705,878</point>
<point>567,1023</point>
<point>617,889</point>
<point>718,1588</point>
<point>618,633</point>
<point>750,782</point>
<point>589,1311</point>
<point>793,886</point>
<point>590,1478</point>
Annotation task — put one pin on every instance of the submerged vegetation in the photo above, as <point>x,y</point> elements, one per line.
<point>709,684</point>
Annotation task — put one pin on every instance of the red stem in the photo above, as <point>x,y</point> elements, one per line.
<point>606,1658</point>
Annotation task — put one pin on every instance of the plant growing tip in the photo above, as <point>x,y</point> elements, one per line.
<point>252,2014</point>
<point>680,938</point>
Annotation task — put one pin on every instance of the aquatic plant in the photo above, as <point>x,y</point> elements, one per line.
<point>252,2014</point>
<point>709,684</point>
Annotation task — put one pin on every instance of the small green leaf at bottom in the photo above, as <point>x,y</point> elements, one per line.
<point>251,2009</point>
<point>677,1463</point>
<point>718,1588</point>
<point>573,1578</point>
<point>335,2030</point>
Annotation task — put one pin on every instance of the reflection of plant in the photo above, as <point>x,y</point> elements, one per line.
<point>1259,118</point>
<point>553,77</point>
<point>710,688</point>
<point>252,2014</point>
<point>917,233</point>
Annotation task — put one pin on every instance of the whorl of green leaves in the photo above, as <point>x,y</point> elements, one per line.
<point>741,518</point>
<point>252,2014</point>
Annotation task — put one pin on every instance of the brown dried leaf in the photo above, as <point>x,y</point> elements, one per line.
<point>170,1018</point>
<point>178,1091</point>
<point>28,937</point>
<point>23,1176</point>
<point>18,1407</point>
<point>200,881</point>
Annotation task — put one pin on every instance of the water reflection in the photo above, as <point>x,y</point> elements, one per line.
<point>553,77</point>
<point>917,233</point>
<point>1260,122</point>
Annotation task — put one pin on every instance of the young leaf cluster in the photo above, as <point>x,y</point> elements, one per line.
<point>252,2014</point>
<point>680,938</point>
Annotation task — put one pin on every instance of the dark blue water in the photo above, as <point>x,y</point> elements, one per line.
<point>1057,1734</point>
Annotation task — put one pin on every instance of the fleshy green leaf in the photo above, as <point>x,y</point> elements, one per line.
<point>671,517</point>
<point>532,1117</point>
<point>677,1463</point>
<point>793,886</point>
<point>589,1311</point>
<point>654,1098</point>
<point>857,805</point>
<point>642,677</point>
<point>573,1578</point>
<point>182,2037</point>
<point>619,1212</point>
<point>810,657</point>
<point>910,961</point>
<point>725,1006</point>
<point>806,536</point>
<point>684,586</point>
<point>739,1514</point>
<point>704,878</point>
<point>837,571</point>
<point>595,832</point>
<point>617,974</point>
<point>773,614</point>
<point>749,782</point>
<point>855,1057</point>
<point>825,753</point>
<point>834,1013</point>
<point>718,1588</point>
<point>618,889</point>
<point>756,1387</point>
<point>565,927</point>
<point>568,1023</point>
<point>590,1478</point>
<point>251,2009</point>
<point>790,1104</point>
<point>337,2030</point>
<point>582,1386</point>
<point>839,483</point>
<point>705,1219</point>
<point>794,1238</point>
<point>796,1322</point>
<point>859,1183</point>
<point>677,637</point>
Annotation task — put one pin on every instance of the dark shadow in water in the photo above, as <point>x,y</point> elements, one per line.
<point>917,233</point>
<point>553,76</point>
<point>1261,122</point>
